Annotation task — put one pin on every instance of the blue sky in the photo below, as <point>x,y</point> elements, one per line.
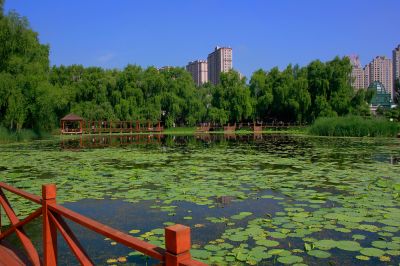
<point>262,33</point>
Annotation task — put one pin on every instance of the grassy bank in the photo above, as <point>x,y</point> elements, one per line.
<point>180,130</point>
<point>7,136</point>
<point>192,130</point>
<point>354,126</point>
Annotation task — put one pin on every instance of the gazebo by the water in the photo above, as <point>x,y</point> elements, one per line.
<point>71,124</point>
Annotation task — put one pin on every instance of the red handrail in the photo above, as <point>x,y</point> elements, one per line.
<point>21,193</point>
<point>127,240</point>
<point>94,127</point>
<point>177,237</point>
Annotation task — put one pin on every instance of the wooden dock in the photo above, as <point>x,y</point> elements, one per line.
<point>255,127</point>
<point>74,124</point>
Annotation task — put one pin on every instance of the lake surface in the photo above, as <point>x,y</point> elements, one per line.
<point>249,199</point>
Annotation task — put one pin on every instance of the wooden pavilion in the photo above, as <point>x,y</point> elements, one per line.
<point>71,124</point>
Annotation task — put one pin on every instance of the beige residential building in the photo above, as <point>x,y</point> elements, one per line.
<point>396,64</point>
<point>357,73</point>
<point>366,76</point>
<point>381,69</point>
<point>165,68</point>
<point>219,61</point>
<point>199,71</point>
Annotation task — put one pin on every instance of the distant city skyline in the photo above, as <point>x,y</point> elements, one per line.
<point>262,34</point>
<point>381,68</point>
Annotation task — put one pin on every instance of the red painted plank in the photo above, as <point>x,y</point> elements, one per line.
<point>10,230</point>
<point>49,232</point>
<point>71,240</point>
<point>26,242</point>
<point>9,257</point>
<point>118,236</point>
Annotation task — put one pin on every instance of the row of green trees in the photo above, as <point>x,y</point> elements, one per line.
<point>35,95</point>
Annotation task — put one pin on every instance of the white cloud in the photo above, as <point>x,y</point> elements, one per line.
<point>105,58</point>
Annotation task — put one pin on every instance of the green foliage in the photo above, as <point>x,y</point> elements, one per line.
<point>303,94</point>
<point>231,98</point>
<point>354,126</point>
<point>24,65</point>
<point>397,91</point>
<point>390,114</point>
<point>7,136</point>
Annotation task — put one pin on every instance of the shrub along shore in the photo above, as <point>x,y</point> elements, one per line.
<point>354,126</point>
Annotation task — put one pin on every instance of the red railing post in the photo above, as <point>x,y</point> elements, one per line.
<point>49,229</point>
<point>177,243</point>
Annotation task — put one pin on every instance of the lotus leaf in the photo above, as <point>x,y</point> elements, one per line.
<point>319,254</point>
<point>275,251</point>
<point>267,243</point>
<point>348,245</point>
<point>372,252</point>
<point>200,254</point>
<point>385,245</point>
<point>290,259</point>
<point>362,257</point>
<point>358,237</point>
<point>325,244</point>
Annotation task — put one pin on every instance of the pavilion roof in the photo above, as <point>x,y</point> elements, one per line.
<point>72,117</point>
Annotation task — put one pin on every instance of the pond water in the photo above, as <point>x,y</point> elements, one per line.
<point>249,199</point>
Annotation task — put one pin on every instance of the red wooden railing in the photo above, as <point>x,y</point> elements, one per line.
<point>230,128</point>
<point>204,127</point>
<point>256,126</point>
<point>98,127</point>
<point>177,237</point>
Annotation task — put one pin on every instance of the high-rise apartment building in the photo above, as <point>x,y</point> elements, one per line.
<point>366,76</point>
<point>381,69</point>
<point>396,64</point>
<point>219,61</point>
<point>357,73</point>
<point>199,71</point>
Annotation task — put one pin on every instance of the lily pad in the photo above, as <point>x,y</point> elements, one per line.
<point>362,257</point>
<point>372,252</point>
<point>386,245</point>
<point>325,244</point>
<point>200,254</point>
<point>290,259</point>
<point>358,237</point>
<point>212,247</point>
<point>348,245</point>
<point>267,243</point>
<point>319,254</point>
